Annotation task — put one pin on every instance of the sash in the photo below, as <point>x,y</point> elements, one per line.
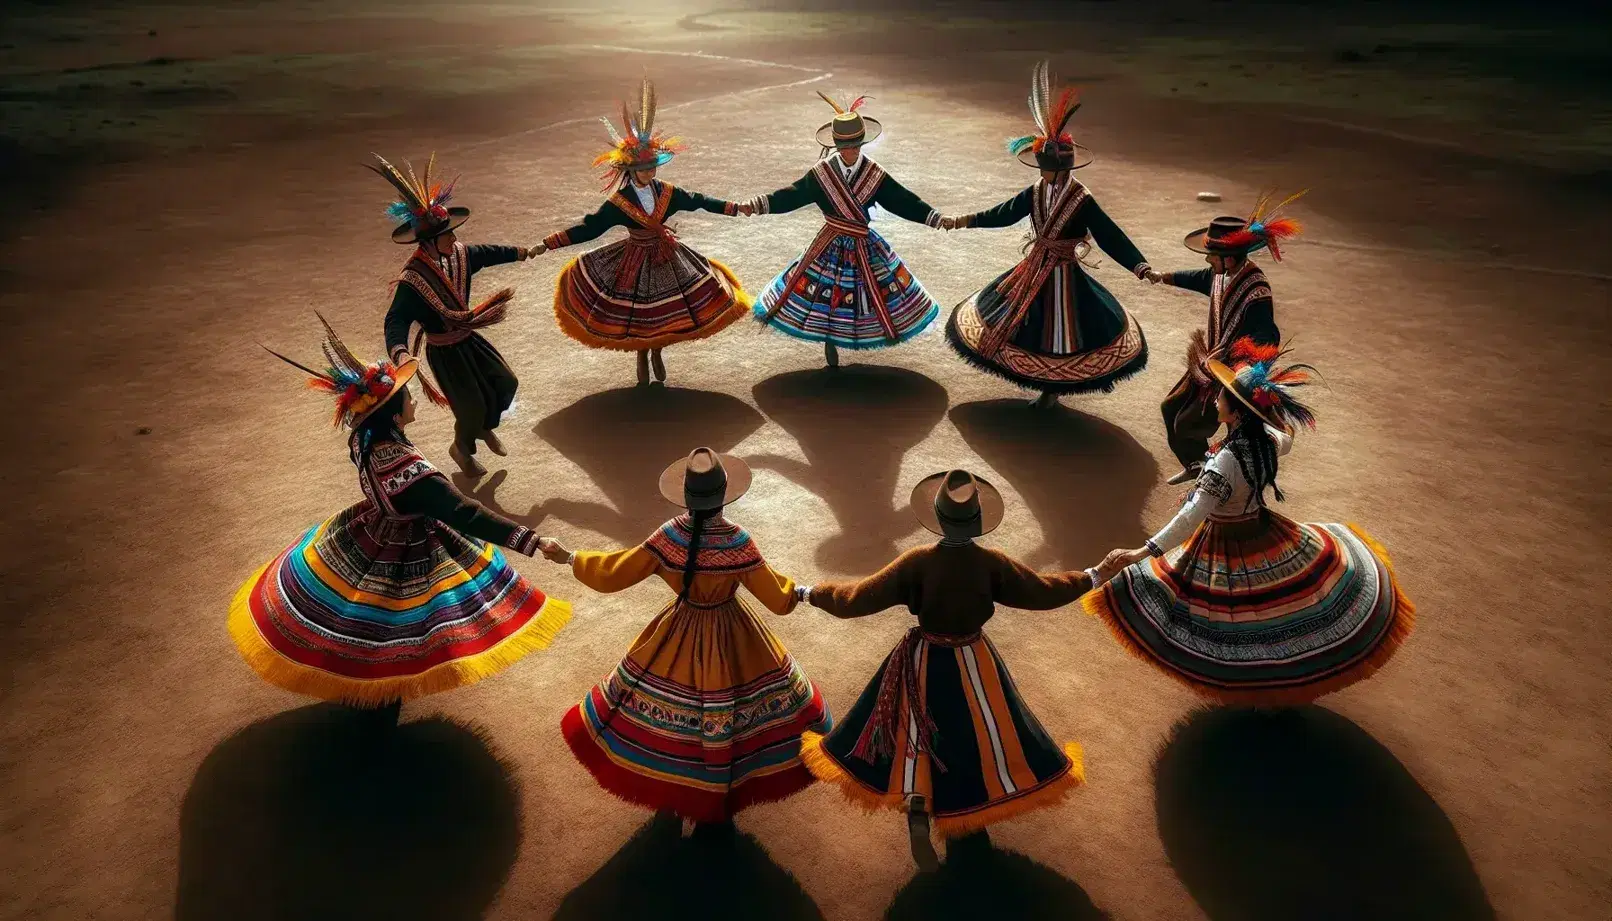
<point>1228,301</point>
<point>849,218</point>
<point>1047,253</point>
<point>651,239</point>
<point>447,291</point>
<point>902,687</point>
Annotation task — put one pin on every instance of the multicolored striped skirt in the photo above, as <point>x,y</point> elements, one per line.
<point>703,717</point>
<point>988,758</point>
<point>626,297</point>
<point>367,610</point>
<point>1261,609</point>
<point>1075,337</point>
<point>829,303</point>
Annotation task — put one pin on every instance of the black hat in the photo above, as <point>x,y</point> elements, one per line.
<point>423,209</point>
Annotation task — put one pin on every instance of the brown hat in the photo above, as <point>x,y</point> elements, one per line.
<point>705,480</point>
<point>849,128</point>
<point>957,504</point>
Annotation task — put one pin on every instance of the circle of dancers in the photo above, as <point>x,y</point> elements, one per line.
<point>408,592</point>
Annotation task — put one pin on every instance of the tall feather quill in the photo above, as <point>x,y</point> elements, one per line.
<point>646,109</point>
<point>1038,96</point>
<point>837,109</point>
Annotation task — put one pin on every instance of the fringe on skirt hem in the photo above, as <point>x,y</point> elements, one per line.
<point>1103,384</point>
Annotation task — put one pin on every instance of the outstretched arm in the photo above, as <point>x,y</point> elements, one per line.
<point>434,497</point>
<point>771,587</point>
<point>883,590</point>
<point>590,228</point>
<point>898,200</point>
<point>805,191</point>
<point>1006,214</point>
<point>1198,280</point>
<point>612,572</point>
<point>684,200</point>
<point>479,256</point>
<point>1113,241</point>
<point>1018,586</point>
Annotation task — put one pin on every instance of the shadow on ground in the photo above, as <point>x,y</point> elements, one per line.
<point>854,425</point>
<point>1276,815</point>
<point>325,813</point>
<point>661,876</point>
<point>625,438</point>
<point>1083,478</point>
<point>996,884</point>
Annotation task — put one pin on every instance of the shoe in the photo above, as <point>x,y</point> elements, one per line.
<point>1187,475</point>
<point>466,462</point>
<point>923,849</point>
<point>493,444</point>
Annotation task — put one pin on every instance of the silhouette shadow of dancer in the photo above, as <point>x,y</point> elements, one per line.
<point>985,882</point>
<point>625,438</point>
<point>327,813</point>
<point>723,878</point>
<point>485,491</point>
<point>854,425</point>
<point>1272,815</point>
<point>1084,479</point>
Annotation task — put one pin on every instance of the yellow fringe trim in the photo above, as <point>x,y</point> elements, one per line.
<point>281,672</point>
<point>1098,603</point>
<point>826,769</point>
<point>566,312</point>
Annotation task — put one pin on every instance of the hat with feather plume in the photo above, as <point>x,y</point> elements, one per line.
<point>849,127</point>
<point>359,387</point>
<point>1265,228</point>
<point>638,145</point>
<point>1251,375</point>
<point>423,209</point>
<point>1052,147</point>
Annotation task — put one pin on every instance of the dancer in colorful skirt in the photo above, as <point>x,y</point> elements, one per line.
<point>1240,307</point>
<point>940,730</point>
<point>1045,324</point>
<point>1235,600</point>
<point>650,290</point>
<point>849,289</point>
<point>402,594</point>
<point>704,716</point>
<point>433,293</point>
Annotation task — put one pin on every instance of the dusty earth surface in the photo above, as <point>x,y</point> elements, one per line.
<point>1453,288</point>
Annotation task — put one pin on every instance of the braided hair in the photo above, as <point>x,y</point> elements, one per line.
<point>697,520</point>
<point>1255,451</point>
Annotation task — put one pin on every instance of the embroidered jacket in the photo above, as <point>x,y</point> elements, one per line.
<point>1240,304</point>
<point>431,296</point>
<point>1080,216</point>
<point>868,185</point>
<point>1221,492</point>
<point>403,484</point>
<point>727,559</point>
<point>624,209</point>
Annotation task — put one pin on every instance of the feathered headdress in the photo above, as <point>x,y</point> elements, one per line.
<point>359,387</point>
<point>1051,115</point>
<point>1267,389</point>
<point>424,203</point>
<point>845,109</point>
<point>638,145</point>
<point>849,127</point>
<point>1266,227</point>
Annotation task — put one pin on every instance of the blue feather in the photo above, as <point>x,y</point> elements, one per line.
<point>1019,145</point>
<point>399,211</point>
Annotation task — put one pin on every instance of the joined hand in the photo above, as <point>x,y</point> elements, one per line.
<point>532,251</point>
<point>553,550</point>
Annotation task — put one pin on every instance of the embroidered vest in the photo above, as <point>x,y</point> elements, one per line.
<point>724,547</point>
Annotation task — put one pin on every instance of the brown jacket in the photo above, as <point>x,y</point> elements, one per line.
<point>953,590</point>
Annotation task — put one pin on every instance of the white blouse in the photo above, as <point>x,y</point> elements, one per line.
<point>1221,491</point>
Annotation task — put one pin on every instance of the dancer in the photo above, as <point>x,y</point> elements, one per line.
<point>704,716</point>
<point>940,730</point>
<point>1252,607</point>
<point>650,290</point>
<point>1045,324</point>
<point>849,289</point>
<point>433,293</point>
<point>406,592</point>
<point>1240,307</point>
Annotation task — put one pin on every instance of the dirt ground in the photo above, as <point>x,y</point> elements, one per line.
<point>1455,299</point>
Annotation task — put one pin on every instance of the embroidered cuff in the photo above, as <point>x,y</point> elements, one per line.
<point>1094,576</point>
<point>759,205</point>
<point>1141,270</point>
<point>571,558</point>
<point>730,208</point>
<point>524,540</point>
<point>933,220</point>
<point>803,593</point>
<point>1152,547</point>
<point>557,240</point>
<point>400,354</point>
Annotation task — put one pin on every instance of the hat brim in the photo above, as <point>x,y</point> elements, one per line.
<point>923,503</point>
<point>1198,242</point>
<point>659,160</point>
<point>406,233</point>
<point>671,481</point>
<point>400,379</point>
<point>1228,379</point>
<point>870,129</point>
<point>1083,157</point>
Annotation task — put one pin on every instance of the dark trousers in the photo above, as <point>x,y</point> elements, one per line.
<point>1190,420</point>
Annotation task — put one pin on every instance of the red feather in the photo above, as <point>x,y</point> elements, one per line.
<point>1250,351</point>
<point>857,103</point>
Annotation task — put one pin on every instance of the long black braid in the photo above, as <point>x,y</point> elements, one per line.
<point>1255,451</point>
<point>697,520</point>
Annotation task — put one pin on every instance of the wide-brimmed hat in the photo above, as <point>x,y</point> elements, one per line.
<point>423,209</point>
<point>637,145</point>
<point>1235,236</point>
<point>1057,157</point>
<point>1266,390</point>
<point>957,503</point>
<point>849,127</point>
<point>705,480</point>
<point>1051,147</point>
<point>360,387</point>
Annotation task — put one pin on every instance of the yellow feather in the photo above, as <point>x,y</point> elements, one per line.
<point>837,109</point>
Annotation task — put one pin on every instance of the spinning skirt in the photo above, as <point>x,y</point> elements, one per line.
<point>1261,609</point>
<point>829,303</point>
<point>622,297</point>
<point>367,610</point>
<point>994,759</point>
<point>1075,337</point>
<point>703,717</point>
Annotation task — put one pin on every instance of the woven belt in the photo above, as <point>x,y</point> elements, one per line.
<point>833,228</point>
<point>1023,284</point>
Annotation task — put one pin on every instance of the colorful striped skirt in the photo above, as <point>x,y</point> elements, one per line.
<point>1075,337</point>
<point>368,610</point>
<point>829,303</point>
<point>625,297</point>
<point>703,717</point>
<point>988,759</point>
<point>1261,609</point>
